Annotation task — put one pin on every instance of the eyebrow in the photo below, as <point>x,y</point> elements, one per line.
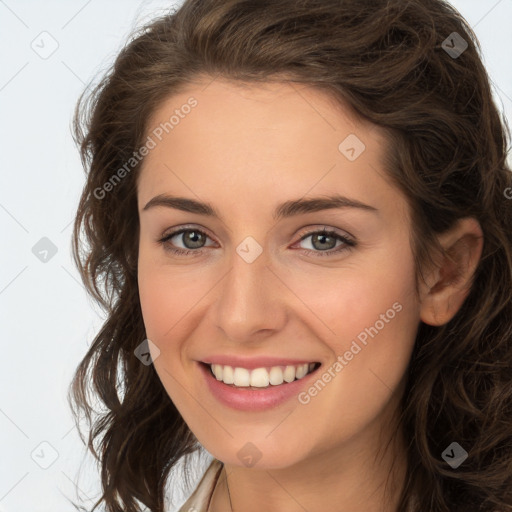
<point>284,210</point>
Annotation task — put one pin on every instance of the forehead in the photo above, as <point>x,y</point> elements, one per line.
<point>274,138</point>
<point>253,105</point>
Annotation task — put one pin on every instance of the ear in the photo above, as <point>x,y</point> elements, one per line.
<point>449,283</point>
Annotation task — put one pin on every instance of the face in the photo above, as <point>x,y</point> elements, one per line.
<point>252,275</point>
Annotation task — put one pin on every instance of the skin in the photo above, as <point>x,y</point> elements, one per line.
<point>246,149</point>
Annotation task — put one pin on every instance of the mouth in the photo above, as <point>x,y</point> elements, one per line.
<point>259,378</point>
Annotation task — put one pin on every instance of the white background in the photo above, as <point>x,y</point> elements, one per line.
<point>47,322</point>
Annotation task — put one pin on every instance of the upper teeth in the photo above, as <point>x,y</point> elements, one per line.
<point>260,377</point>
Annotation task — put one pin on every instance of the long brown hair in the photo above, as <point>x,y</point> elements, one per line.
<point>447,151</point>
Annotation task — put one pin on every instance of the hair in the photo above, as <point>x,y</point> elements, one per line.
<point>447,154</point>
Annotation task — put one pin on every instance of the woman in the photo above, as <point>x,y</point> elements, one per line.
<point>229,142</point>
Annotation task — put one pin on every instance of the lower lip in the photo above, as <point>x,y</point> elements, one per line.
<point>248,399</point>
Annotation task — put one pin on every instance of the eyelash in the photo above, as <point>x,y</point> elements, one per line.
<point>348,243</point>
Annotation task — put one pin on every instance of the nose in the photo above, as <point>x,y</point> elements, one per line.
<point>251,301</point>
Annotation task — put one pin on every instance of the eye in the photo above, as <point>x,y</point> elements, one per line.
<point>192,238</point>
<point>324,243</point>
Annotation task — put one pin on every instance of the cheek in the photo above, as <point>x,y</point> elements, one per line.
<point>341,303</point>
<point>166,294</point>
<point>156,300</point>
<point>163,311</point>
<point>368,314</point>
<point>173,303</point>
<point>375,318</point>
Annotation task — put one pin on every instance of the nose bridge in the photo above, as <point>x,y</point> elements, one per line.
<point>248,302</point>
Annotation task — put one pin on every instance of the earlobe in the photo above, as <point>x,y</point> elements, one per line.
<point>450,282</point>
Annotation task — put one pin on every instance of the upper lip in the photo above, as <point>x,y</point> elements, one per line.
<point>254,362</point>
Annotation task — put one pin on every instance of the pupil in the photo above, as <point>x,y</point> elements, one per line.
<point>323,239</point>
<point>193,235</point>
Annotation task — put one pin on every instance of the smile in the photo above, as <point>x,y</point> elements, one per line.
<point>264,377</point>
<point>255,384</point>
